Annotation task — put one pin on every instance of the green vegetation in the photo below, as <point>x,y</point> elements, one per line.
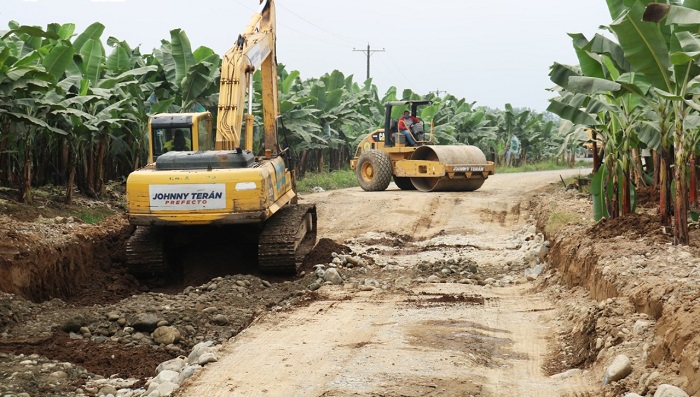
<point>74,113</point>
<point>92,217</point>
<point>542,166</point>
<point>333,180</point>
<point>558,219</point>
<point>638,91</point>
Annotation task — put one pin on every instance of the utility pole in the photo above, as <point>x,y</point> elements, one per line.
<point>369,53</point>
<point>437,92</point>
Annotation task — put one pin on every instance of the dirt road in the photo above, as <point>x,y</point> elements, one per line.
<point>409,337</point>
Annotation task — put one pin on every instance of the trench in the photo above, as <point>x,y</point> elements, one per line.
<point>89,266</point>
<point>64,268</point>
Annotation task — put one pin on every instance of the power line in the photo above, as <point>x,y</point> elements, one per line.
<point>314,25</point>
<point>368,52</point>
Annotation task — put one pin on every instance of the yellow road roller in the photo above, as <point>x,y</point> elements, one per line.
<point>414,160</point>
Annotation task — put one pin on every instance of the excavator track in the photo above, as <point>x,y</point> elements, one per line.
<point>145,252</point>
<point>286,238</point>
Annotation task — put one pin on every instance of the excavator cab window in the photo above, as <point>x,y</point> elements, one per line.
<point>171,139</point>
<point>204,135</point>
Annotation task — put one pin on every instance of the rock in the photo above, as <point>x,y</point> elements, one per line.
<point>632,395</point>
<point>198,350</point>
<point>266,284</point>
<point>167,388</point>
<point>145,322</point>
<point>567,374</point>
<point>543,251</point>
<point>333,277</point>
<point>107,389</point>
<point>210,310</point>
<point>189,371</point>
<point>666,390</point>
<point>433,279</point>
<point>640,326</point>
<point>314,286</point>
<point>537,270</point>
<point>371,282</point>
<point>113,316</point>
<point>353,260</point>
<point>619,369</point>
<point>166,335</point>
<point>364,287</point>
<point>73,324</point>
<point>167,376</point>
<point>176,364</point>
<point>220,319</point>
<point>207,358</point>
<point>59,375</point>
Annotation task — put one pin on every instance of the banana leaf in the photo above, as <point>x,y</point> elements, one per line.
<point>600,209</point>
<point>57,60</point>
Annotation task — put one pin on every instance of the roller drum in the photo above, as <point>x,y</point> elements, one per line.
<point>449,155</point>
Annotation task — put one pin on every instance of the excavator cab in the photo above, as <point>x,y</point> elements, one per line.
<point>179,132</point>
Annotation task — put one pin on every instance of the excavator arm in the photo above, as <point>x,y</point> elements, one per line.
<point>254,49</point>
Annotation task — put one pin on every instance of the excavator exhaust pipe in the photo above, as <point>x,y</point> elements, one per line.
<point>450,155</point>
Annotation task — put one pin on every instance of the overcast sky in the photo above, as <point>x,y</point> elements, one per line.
<point>488,51</point>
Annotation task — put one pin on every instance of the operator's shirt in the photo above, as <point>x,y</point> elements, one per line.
<point>402,123</point>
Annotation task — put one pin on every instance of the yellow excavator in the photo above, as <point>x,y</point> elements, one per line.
<point>385,154</point>
<point>198,184</point>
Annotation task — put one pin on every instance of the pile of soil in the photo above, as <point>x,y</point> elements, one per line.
<point>322,253</point>
<point>108,358</point>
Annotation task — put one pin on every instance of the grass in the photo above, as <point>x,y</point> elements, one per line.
<point>327,180</point>
<point>557,220</point>
<point>346,178</point>
<point>541,166</point>
<point>91,217</point>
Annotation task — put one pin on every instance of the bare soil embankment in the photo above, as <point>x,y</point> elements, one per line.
<point>646,292</point>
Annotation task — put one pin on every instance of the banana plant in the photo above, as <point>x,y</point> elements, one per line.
<point>668,56</point>
<point>192,77</point>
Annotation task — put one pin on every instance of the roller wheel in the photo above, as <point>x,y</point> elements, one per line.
<point>404,183</point>
<point>373,171</point>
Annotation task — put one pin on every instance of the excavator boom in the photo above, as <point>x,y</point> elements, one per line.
<point>253,50</point>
